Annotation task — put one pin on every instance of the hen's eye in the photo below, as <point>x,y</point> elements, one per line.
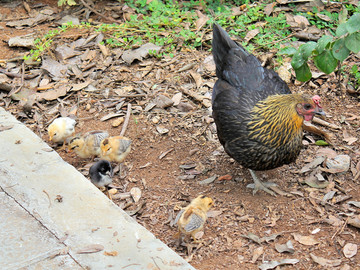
<point>307,106</point>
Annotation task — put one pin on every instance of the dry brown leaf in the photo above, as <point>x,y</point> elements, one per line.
<point>301,21</point>
<point>326,152</point>
<point>253,237</point>
<point>269,8</point>
<point>110,253</point>
<point>201,21</point>
<point>53,94</point>
<point>288,247</point>
<point>3,128</point>
<point>274,264</point>
<point>236,11</point>
<point>355,221</point>
<point>91,249</point>
<point>135,194</point>
<point>350,250</point>
<point>305,240</point>
<point>324,17</point>
<point>334,221</point>
<point>257,253</point>
<point>197,78</point>
<point>325,262</point>
<point>213,213</point>
<point>225,177</point>
<point>79,86</point>
<point>251,34</point>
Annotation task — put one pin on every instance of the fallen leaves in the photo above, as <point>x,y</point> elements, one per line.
<point>325,262</point>
<point>350,250</point>
<point>274,264</point>
<point>305,240</point>
<point>138,54</point>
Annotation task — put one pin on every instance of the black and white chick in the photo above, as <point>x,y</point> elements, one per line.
<point>101,174</point>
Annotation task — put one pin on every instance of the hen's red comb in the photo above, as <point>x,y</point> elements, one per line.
<point>317,100</point>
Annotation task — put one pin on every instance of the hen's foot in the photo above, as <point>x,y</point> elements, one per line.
<point>262,186</point>
<point>258,185</point>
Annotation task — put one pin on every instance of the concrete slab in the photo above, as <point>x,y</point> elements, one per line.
<point>33,176</point>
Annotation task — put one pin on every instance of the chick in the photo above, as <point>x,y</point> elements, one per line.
<point>191,219</point>
<point>61,129</point>
<point>101,174</point>
<point>88,145</point>
<point>115,149</point>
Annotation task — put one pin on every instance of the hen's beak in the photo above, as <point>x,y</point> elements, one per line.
<point>319,111</point>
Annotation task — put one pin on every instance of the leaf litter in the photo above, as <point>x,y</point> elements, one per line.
<point>81,72</point>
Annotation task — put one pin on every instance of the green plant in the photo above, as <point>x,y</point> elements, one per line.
<point>355,72</point>
<point>43,43</point>
<point>66,2</point>
<point>329,51</point>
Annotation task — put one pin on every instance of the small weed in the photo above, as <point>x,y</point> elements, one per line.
<point>355,72</point>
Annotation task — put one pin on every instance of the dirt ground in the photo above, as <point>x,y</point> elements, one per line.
<point>168,166</point>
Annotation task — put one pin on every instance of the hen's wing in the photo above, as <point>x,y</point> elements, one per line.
<point>242,82</point>
<point>241,73</point>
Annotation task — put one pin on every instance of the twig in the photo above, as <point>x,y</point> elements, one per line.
<point>47,194</point>
<point>165,153</point>
<point>98,13</point>
<point>132,96</point>
<point>325,124</point>
<point>341,229</point>
<point>14,91</point>
<point>126,121</point>
<point>17,75</point>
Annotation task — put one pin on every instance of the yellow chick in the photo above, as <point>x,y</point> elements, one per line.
<point>61,128</point>
<point>115,149</point>
<point>88,145</point>
<point>191,219</point>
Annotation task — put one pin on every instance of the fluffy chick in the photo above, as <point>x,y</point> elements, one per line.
<point>88,145</point>
<point>101,173</point>
<point>191,219</point>
<point>61,129</point>
<point>115,149</point>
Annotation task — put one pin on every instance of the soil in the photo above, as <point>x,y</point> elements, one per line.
<point>169,168</point>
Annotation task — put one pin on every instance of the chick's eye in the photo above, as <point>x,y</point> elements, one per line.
<point>307,106</point>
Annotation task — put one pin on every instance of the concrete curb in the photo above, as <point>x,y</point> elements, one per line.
<point>36,230</point>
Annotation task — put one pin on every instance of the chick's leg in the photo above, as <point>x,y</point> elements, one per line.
<point>258,185</point>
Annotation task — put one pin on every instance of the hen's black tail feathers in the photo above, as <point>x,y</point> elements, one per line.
<point>221,45</point>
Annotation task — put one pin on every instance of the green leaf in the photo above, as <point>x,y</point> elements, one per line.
<point>339,50</point>
<point>321,143</point>
<point>322,43</point>
<point>354,68</point>
<point>303,73</point>
<point>307,49</point>
<point>326,62</point>
<point>343,15</point>
<point>352,42</point>
<point>287,51</point>
<point>341,30</point>
<point>297,60</point>
<point>353,24</point>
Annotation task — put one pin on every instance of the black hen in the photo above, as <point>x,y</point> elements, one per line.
<point>259,122</point>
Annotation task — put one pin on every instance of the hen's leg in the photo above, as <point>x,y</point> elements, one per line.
<point>258,185</point>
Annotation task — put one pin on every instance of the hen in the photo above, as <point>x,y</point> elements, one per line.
<point>258,120</point>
